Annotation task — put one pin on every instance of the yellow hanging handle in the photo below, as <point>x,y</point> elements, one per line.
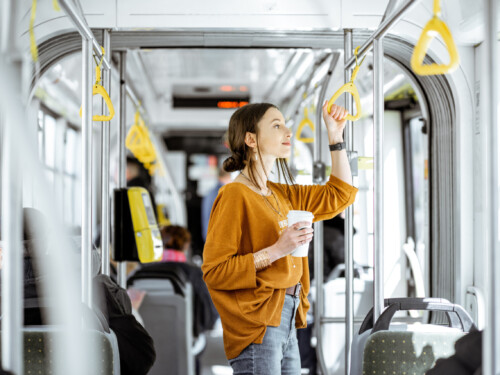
<point>33,46</point>
<point>432,29</point>
<point>305,122</point>
<point>98,89</point>
<point>139,143</point>
<point>350,88</point>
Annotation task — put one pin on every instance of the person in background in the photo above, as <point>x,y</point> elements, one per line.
<point>137,175</point>
<point>208,201</point>
<point>176,242</point>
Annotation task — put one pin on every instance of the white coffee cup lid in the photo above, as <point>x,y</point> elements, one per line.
<point>303,214</point>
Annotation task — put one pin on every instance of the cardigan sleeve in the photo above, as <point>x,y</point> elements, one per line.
<point>225,265</point>
<point>324,201</point>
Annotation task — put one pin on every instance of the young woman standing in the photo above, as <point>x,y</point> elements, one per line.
<point>259,289</point>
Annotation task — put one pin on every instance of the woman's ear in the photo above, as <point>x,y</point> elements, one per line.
<point>250,140</point>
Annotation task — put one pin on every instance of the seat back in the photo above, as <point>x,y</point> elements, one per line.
<point>167,314</point>
<point>399,352</point>
<point>334,305</point>
<point>395,348</point>
<point>39,349</point>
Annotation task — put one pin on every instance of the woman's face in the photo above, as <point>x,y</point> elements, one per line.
<point>274,136</point>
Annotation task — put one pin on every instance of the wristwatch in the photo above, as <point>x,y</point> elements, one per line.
<point>337,146</point>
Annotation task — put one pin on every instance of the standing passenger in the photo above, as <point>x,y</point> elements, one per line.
<point>259,289</point>
<point>208,201</point>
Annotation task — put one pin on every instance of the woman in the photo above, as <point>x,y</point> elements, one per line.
<point>176,242</point>
<point>259,289</point>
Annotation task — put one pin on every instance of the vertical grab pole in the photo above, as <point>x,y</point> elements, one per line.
<point>122,181</point>
<point>318,178</point>
<point>86,171</point>
<point>318,227</point>
<point>348,228</point>
<point>491,334</point>
<point>378,139</point>
<point>12,277</point>
<point>12,270</point>
<point>105,202</point>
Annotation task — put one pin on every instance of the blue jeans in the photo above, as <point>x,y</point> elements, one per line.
<point>279,351</point>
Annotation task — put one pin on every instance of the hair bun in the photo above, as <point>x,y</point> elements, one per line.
<point>233,163</point>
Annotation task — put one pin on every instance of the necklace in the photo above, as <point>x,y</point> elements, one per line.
<point>278,211</point>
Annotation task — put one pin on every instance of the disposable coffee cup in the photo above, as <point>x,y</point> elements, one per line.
<point>295,217</point>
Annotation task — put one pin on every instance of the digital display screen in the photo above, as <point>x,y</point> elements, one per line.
<point>215,102</point>
<point>149,209</point>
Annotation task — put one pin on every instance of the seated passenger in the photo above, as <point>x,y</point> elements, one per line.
<point>176,243</point>
<point>136,348</point>
<point>467,359</point>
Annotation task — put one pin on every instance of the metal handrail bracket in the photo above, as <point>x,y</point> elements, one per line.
<point>84,29</point>
<point>382,30</point>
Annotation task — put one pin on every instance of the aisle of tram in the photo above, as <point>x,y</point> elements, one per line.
<point>396,279</point>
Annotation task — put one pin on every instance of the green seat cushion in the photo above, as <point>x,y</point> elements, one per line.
<point>406,353</point>
<point>38,351</point>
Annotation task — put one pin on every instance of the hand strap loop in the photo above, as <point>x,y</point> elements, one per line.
<point>350,88</point>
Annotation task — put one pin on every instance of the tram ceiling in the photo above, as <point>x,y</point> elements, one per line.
<point>259,65</point>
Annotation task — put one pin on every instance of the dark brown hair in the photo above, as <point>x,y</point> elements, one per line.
<point>244,120</point>
<point>175,237</point>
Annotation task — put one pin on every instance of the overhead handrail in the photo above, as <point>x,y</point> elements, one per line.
<point>436,26</point>
<point>350,88</point>
<point>98,89</point>
<point>83,28</point>
<point>306,121</point>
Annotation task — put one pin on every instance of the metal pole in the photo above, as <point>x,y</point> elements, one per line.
<point>84,29</point>
<point>348,227</point>
<point>122,181</point>
<point>491,346</point>
<point>381,31</point>
<point>86,171</point>
<point>12,273</point>
<point>390,8</point>
<point>7,37</point>
<point>318,230</point>
<point>319,305</point>
<point>378,139</point>
<point>12,269</point>
<point>105,202</point>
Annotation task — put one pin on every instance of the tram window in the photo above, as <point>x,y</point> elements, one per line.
<point>49,140</point>
<point>40,134</point>
<point>59,151</point>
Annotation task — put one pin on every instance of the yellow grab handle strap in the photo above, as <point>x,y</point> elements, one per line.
<point>305,122</point>
<point>56,6</point>
<point>33,46</point>
<point>435,25</point>
<point>350,88</point>
<point>139,143</point>
<point>437,8</point>
<point>100,90</point>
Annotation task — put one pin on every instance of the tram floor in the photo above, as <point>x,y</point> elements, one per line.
<point>213,358</point>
